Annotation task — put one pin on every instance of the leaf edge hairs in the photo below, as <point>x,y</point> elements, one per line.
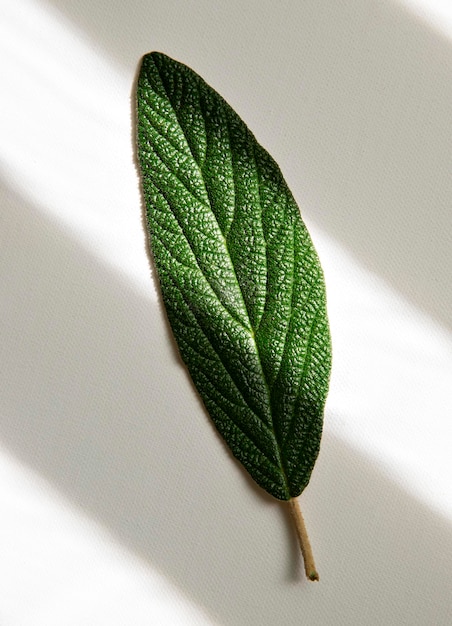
<point>240,279</point>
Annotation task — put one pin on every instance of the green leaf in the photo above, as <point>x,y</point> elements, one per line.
<point>241,281</point>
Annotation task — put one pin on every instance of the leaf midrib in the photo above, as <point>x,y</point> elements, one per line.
<point>267,428</point>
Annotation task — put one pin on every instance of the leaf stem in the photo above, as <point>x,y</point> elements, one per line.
<point>305,545</point>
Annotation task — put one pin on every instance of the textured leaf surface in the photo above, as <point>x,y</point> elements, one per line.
<point>241,281</point>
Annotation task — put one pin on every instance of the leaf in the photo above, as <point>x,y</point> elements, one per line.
<point>241,281</point>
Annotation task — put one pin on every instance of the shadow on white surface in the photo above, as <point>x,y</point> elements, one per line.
<point>96,402</point>
<point>364,91</point>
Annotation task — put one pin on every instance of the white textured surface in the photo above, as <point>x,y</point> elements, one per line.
<point>118,503</point>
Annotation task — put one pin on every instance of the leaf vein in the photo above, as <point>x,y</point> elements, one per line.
<point>259,203</point>
<point>161,133</point>
<point>234,422</point>
<point>290,315</point>
<point>230,313</point>
<point>303,373</point>
<point>177,177</point>
<point>240,392</point>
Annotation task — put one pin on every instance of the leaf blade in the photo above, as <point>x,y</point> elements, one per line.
<point>240,278</point>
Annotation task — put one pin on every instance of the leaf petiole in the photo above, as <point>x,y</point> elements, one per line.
<point>305,544</point>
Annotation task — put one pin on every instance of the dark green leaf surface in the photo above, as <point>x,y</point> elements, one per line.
<point>241,281</point>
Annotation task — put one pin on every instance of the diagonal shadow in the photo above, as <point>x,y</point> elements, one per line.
<point>90,398</point>
<point>365,88</point>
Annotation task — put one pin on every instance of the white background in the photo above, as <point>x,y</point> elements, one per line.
<point>119,504</point>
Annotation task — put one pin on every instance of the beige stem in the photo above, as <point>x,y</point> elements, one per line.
<point>306,550</point>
